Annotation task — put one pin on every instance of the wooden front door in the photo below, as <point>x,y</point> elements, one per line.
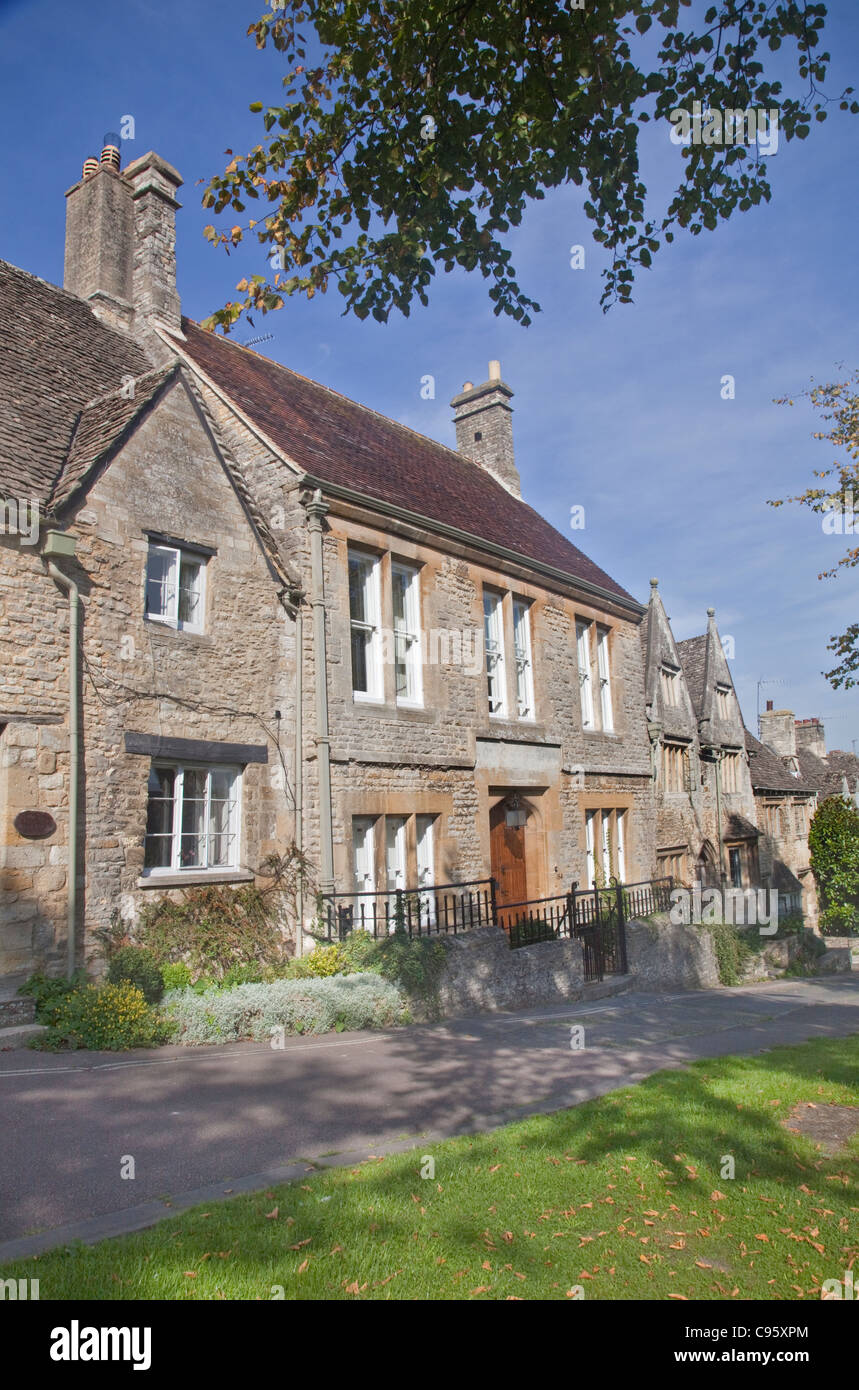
<point>507,849</point>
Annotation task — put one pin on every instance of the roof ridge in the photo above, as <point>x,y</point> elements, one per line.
<point>118,390</point>
<point>368,409</point>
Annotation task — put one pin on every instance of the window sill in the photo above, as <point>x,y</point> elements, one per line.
<point>174,879</point>
<point>189,634</point>
<point>381,710</point>
<point>523,730</point>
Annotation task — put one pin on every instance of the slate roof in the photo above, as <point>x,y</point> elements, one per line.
<point>55,358</point>
<point>768,772</point>
<point>101,428</point>
<point>824,774</point>
<point>336,440</point>
<point>62,414</point>
<point>693,658</point>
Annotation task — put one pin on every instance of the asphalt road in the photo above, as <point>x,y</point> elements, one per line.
<point>199,1120</point>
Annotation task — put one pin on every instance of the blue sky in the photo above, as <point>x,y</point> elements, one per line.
<point>620,413</point>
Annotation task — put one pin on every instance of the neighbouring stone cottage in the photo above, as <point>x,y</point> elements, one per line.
<point>729,807</point>
<point>257,612</point>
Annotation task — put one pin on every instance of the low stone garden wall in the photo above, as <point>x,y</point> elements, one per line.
<point>842,953</point>
<point>483,974</point>
<point>663,955</point>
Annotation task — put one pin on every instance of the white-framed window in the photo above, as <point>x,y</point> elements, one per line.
<point>192,820</point>
<point>605,845</point>
<point>395,852</point>
<point>670,682</point>
<point>426,865</point>
<point>364,853</point>
<point>590,829</point>
<point>522,652</point>
<point>604,679</point>
<point>723,701</point>
<point>607,855</point>
<point>620,823</point>
<point>405,583</point>
<point>493,628</point>
<point>365,620</point>
<point>175,587</point>
<point>583,654</point>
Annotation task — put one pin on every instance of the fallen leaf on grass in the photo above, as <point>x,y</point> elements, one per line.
<point>272,1215</point>
<point>301,1244</point>
<point>302,1267</point>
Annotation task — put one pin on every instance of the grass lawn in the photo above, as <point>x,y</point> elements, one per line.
<point>623,1196</point>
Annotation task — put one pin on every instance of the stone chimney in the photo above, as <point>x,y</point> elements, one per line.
<point>778,731</point>
<point>810,738</point>
<point>121,240</point>
<point>484,428</point>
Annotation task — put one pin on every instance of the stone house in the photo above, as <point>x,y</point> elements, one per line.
<point>785,806</point>
<point>254,612</point>
<point>831,774</point>
<point>705,805</point>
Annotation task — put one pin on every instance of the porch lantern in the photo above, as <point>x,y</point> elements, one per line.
<point>515,813</point>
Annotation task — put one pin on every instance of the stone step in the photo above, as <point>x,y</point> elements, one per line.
<point>19,1035</point>
<point>16,1012</point>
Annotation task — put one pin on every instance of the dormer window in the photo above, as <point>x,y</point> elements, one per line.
<point>670,682</point>
<point>176,585</point>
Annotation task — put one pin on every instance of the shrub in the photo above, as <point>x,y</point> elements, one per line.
<point>49,992</point>
<point>733,953</point>
<point>138,966</point>
<point>323,961</point>
<point>176,975</point>
<point>415,964</point>
<point>833,841</point>
<point>360,951</point>
<point>298,1006</point>
<point>106,1018</point>
<point>242,975</point>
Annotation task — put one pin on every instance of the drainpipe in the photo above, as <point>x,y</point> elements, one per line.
<point>299,768</point>
<point>60,543</point>
<point>316,509</point>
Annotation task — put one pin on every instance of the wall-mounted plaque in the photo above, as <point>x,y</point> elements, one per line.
<point>34,825</point>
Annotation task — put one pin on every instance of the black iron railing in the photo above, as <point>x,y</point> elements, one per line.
<point>596,916</point>
<point>439,908</point>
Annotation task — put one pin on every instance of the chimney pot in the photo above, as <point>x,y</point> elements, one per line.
<point>90,167</point>
<point>468,386</point>
<point>494,371</point>
<point>110,155</point>
<point>769,704</point>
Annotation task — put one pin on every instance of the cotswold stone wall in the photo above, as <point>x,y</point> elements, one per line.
<point>223,685</point>
<point>482,973</point>
<point>665,956</point>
